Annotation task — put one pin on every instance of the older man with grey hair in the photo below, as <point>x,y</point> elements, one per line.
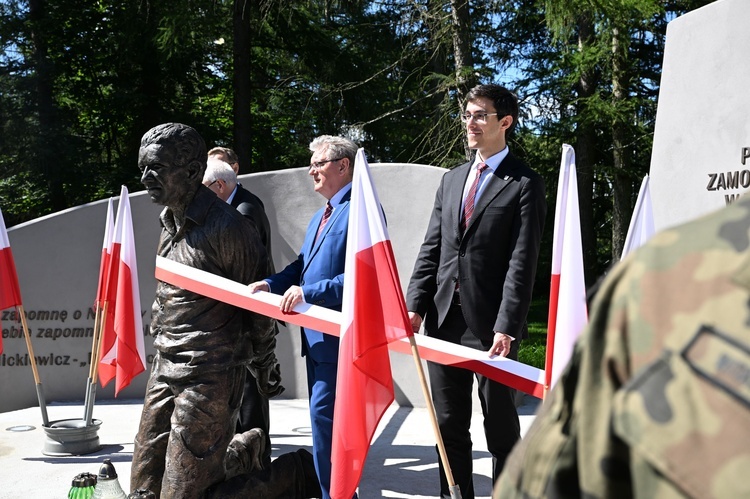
<point>220,178</point>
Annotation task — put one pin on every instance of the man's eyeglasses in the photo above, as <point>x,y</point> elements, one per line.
<point>478,117</point>
<point>320,164</point>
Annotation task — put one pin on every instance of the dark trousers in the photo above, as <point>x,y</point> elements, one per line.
<point>451,389</point>
<point>254,413</point>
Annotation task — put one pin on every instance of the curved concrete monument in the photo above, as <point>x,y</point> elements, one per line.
<point>57,258</point>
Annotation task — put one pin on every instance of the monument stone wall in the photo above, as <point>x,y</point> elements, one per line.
<point>701,153</point>
<point>57,258</point>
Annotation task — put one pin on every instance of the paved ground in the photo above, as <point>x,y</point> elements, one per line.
<point>402,462</point>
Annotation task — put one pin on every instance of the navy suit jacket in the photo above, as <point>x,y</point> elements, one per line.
<point>319,271</point>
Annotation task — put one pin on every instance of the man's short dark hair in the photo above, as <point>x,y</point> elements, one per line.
<point>229,153</point>
<point>505,101</point>
<point>188,143</point>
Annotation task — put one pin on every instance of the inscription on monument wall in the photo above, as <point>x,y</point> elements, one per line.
<point>732,180</point>
<point>67,326</point>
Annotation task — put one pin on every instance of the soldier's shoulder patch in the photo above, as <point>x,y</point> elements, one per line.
<point>721,360</point>
<point>687,415</point>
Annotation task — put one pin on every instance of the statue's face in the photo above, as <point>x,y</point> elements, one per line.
<point>167,183</point>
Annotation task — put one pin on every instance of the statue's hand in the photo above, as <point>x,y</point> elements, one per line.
<point>269,380</point>
<point>244,453</point>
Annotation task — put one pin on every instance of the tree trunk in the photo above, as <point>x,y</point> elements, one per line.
<point>621,183</point>
<point>461,31</point>
<point>437,48</point>
<point>149,108</point>
<point>243,140</point>
<point>585,147</point>
<point>48,164</point>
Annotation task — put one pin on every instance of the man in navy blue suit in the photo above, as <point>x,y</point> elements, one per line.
<point>317,277</point>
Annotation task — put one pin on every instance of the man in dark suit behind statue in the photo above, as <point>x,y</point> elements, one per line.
<point>254,411</point>
<point>221,178</point>
<point>203,346</point>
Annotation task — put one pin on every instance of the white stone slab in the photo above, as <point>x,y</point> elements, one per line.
<point>701,154</point>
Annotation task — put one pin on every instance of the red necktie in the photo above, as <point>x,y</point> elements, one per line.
<point>471,197</point>
<point>324,220</point>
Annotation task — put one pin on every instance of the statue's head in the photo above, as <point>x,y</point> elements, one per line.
<point>172,159</point>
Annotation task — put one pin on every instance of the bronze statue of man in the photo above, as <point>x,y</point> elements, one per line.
<point>203,346</point>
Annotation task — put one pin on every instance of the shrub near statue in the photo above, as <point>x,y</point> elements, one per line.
<point>185,446</point>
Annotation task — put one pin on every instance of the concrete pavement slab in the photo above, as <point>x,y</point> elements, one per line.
<point>402,462</point>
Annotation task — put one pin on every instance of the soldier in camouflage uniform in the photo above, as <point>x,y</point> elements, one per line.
<point>655,402</point>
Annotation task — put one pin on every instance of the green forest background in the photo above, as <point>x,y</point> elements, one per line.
<point>81,81</point>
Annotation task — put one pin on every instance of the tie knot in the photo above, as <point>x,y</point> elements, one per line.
<point>327,213</point>
<point>324,219</point>
<point>481,167</point>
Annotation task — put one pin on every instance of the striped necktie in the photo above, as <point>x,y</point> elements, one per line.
<point>324,220</point>
<point>471,197</point>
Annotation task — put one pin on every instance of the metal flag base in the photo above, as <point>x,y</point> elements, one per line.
<point>71,437</point>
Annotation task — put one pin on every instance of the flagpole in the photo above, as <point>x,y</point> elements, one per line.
<point>91,381</point>
<point>550,347</point>
<point>99,321</point>
<point>91,363</point>
<point>94,368</point>
<point>455,491</point>
<point>39,391</point>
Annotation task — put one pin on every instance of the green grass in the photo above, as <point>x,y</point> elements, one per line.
<point>534,348</point>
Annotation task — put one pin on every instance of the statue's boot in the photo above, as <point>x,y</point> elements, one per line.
<point>290,476</point>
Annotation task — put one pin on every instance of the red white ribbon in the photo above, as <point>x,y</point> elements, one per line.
<point>509,372</point>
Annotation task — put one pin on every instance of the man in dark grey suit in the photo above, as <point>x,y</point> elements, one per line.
<point>254,412</point>
<point>474,275</point>
<point>221,178</point>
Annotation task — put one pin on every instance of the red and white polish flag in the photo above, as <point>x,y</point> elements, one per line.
<point>126,355</point>
<point>568,314</point>
<point>373,315</point>
<point>109,229</point>
<point>10,292</point>
<point>107,370</point>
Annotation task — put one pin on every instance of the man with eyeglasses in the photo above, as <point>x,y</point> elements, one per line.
<point>317,277</point>
<point>221,178</point>
<point>474,275</point>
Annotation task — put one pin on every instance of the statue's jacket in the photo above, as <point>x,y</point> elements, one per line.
<point>195,333</point>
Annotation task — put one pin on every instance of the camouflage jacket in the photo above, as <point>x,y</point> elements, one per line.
<point>655,402</point>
